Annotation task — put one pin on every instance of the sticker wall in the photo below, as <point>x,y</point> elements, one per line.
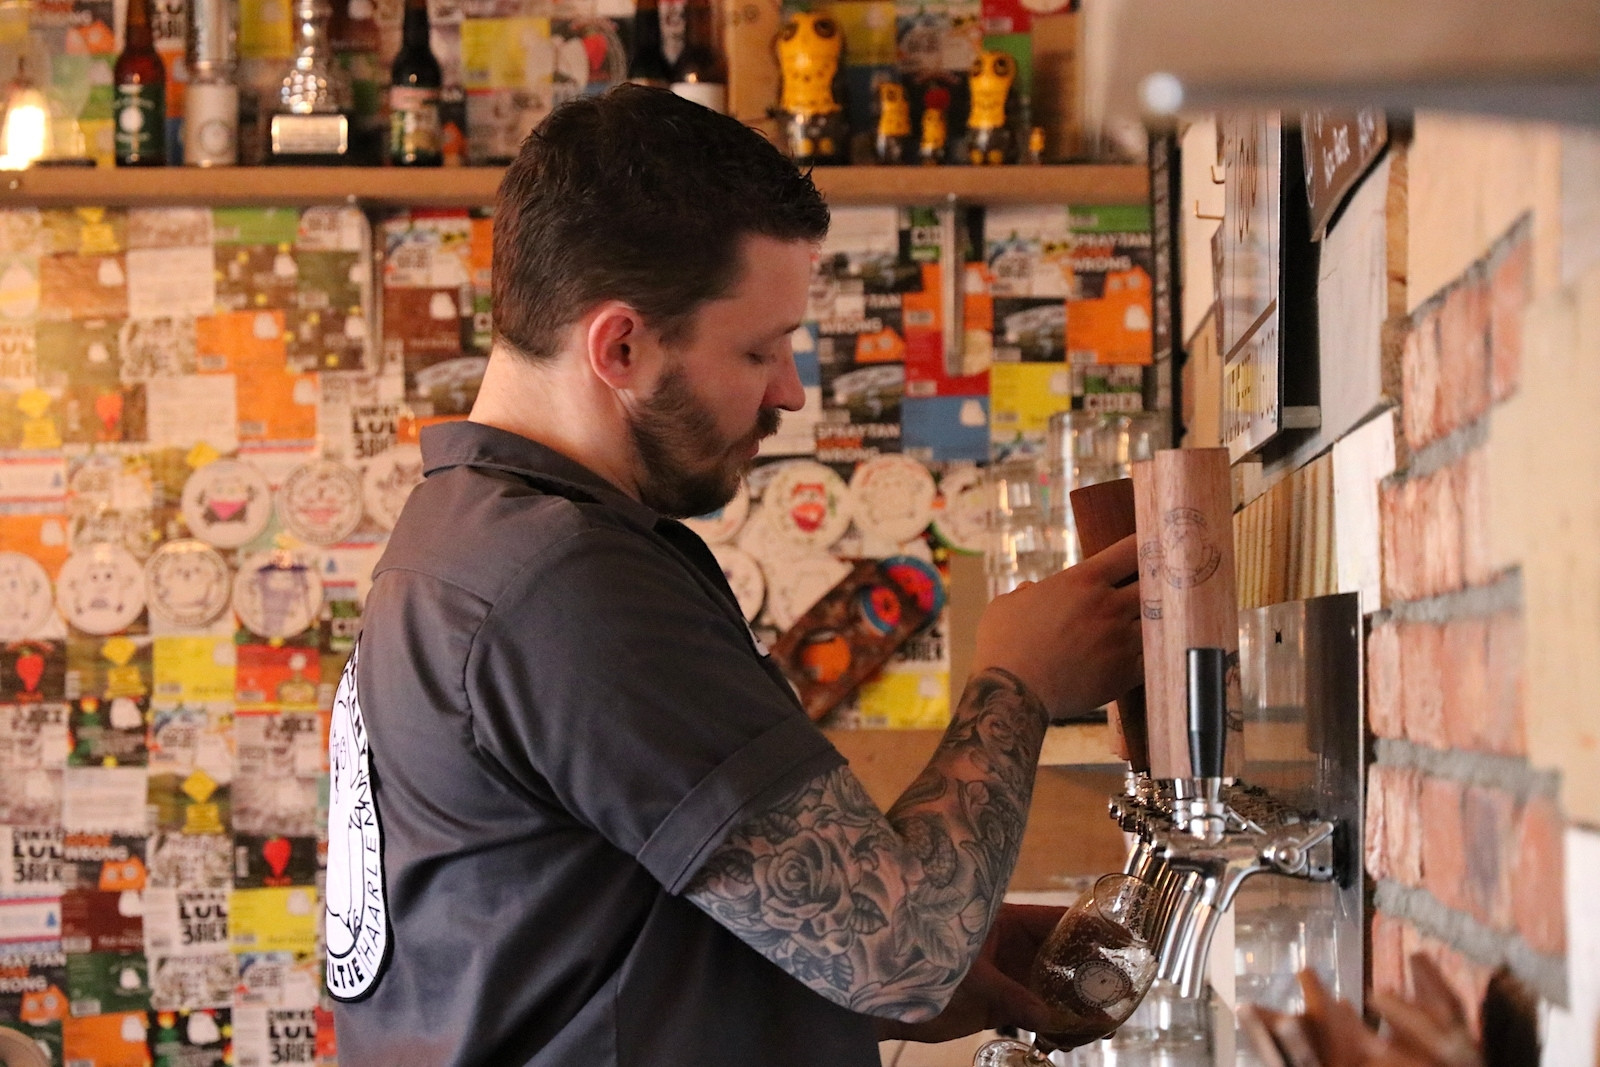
<point>208,425</point>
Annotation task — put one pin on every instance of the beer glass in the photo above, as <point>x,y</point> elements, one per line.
<point>1093,970</point>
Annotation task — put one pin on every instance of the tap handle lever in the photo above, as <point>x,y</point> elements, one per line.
<point>1208,709</point>
<point>1289,852</point>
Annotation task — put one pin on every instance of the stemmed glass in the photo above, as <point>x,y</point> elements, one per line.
<point>1093,970</point>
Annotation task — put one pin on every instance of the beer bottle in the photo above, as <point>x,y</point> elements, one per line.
<point>211,105</point>
<point>647,64</point>
<point>415,82</point>
<point>698,75</point>
<point>141,94</point>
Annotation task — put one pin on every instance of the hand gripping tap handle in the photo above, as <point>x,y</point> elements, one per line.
<point>1208,710</point>
<point>1103,514</point>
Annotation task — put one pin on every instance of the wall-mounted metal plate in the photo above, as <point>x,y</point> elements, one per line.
<point>1305,739</point>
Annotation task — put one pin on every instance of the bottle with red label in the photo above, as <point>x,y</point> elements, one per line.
<point>415,84</point>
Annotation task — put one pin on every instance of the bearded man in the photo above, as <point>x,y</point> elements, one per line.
<point>581,816</point>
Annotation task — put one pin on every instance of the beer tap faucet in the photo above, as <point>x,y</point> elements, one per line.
<point>1200,851</point>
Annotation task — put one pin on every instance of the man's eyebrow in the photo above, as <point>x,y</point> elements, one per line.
<point>787,330</point>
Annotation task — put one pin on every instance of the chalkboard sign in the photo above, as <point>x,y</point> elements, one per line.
<point>1339,147</point>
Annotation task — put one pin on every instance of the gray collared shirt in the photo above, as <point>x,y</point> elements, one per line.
<point>562,714</point>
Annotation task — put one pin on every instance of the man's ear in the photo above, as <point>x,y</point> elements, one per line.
<point>616,344</point>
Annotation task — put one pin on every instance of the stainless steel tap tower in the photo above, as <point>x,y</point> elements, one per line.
<point>1199,831</point>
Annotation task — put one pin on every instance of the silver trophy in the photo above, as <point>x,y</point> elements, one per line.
<point>311,118</point>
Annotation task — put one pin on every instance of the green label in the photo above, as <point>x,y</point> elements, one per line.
<point>413,123</point>
<point>141,117</point>
<point>255,225</point>
<point>1115,218</point>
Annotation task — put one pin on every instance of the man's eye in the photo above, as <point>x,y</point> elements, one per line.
<point>760,359</point>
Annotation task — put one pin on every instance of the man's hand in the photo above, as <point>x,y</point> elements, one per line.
<point>995,991</point>
<point>1073,638</point>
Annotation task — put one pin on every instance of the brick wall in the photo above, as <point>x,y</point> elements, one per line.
<point>1463,835</point>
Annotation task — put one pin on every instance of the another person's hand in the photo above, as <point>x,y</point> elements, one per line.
<point>1430,1030</point>
<point>995,991</point>
<point>1073,638</point>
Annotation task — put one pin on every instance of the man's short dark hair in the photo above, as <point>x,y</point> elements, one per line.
<point>640,196</point>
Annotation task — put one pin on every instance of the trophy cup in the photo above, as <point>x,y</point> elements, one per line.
<point>311,118</point>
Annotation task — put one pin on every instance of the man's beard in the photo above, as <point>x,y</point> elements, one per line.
<point>687,469</point>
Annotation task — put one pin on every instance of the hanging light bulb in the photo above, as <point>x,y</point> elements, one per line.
<point>25,135</point>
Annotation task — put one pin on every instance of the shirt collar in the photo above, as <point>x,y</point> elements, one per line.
<point>472,444</point>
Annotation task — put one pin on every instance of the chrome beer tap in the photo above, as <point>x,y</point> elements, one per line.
<point>1198,847</point>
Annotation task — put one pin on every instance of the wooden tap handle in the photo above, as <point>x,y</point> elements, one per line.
<point>1103,514</point>
<point>1199,600</point>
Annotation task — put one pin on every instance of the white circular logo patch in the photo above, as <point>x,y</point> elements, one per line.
<point>357,909</point>
<point>187,583</point>
<point>25,596</point>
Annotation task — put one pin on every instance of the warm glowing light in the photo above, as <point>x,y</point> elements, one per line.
<point>25,137</point>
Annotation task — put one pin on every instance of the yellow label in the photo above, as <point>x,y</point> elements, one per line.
<point>277,919</point>
<point>494,52</point>
<point>203,819</point>
<point>200,455</point>
<point>199,786</point>
<point>906,698</point>
<point>40,435</point>
<point>125,682</point>
<point>96,236</point>
<point>1023,396</point>
<point>119,650</point>
<point>265,31</point>
<point>33,403</point>
<point>194,670</point>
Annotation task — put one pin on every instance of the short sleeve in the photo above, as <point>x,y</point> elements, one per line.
<point>612,674</point>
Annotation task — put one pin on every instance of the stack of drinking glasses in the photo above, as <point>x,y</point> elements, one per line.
<point>1031,531</point>
<point>1089,447</point>
<point>1022,545</point>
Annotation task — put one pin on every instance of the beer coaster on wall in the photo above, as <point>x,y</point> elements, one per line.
<point>25,596</point>
<point>893,497</point>
<point>744,577</point>
<point>227,503</point>
<point>278,593</point>
<point>963,517</point>
<point>187,583</point>
<point>809,502</point>
<point>320,502</point>
<point>792,591</point>
<point>389,479</point>
<point>100,589</point>
<point>721,526</point>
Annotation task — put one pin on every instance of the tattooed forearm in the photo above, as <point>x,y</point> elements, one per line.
<point>885,913</point>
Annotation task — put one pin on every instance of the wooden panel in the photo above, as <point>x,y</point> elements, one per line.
<point>1202,387</point>
<point>1285,539</point>
<point>1056,102</point>
<point>1069,834</point>
<point>750,32</point>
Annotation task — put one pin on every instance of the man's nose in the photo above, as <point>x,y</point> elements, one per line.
<point>784,389</point>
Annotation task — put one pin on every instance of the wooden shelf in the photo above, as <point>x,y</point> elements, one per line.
<point>474,186</point>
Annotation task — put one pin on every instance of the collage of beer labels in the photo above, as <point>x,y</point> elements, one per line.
<point>208,425</point>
